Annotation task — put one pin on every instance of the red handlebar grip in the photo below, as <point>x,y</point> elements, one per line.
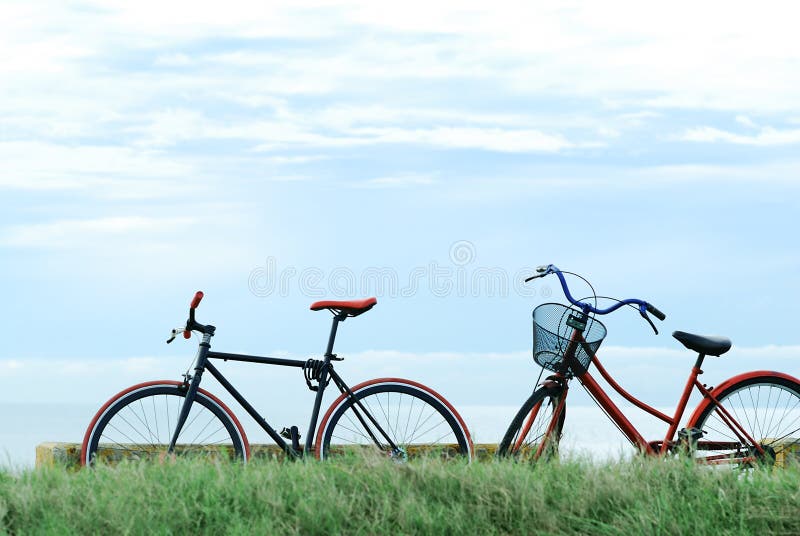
<point>196,301</point>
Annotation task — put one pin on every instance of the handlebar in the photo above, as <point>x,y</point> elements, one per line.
<point>587,308</point>
<point>196,301</point>
<point>191,324</point>
<point>655,312</point>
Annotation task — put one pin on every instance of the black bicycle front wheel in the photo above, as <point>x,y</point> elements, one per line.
<point>417,420</point>
<point>533,434</point>
<point>138,424</point>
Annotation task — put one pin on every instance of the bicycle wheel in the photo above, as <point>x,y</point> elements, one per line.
<point>138,423</point>
<point>416,418</point>
<point>533,434</point>
<point>768,410</point>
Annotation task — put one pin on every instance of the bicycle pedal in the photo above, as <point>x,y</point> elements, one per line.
<point>291,433</point>
<point>688,438</point>
<point>690,434</point>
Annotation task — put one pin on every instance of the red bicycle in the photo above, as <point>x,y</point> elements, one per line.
<point>750,418</point>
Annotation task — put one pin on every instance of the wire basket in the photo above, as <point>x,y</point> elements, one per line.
<point>554,326</point>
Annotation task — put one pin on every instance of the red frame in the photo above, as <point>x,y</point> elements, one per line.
<point>630,431</point>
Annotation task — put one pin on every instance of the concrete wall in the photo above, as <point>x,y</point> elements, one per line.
<point>69,454</point>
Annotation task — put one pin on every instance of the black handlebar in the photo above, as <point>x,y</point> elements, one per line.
<point>191,323</point>
<point>655,312</point>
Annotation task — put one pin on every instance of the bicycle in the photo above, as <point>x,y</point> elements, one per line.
<point>399,418</point>
<point>745,420</point>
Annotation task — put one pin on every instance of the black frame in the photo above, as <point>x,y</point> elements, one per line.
<point>324,373</point>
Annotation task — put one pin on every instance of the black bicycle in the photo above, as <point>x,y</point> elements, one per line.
<point>396,417</point>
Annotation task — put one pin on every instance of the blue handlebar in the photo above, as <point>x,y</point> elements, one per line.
<point>585,307</point>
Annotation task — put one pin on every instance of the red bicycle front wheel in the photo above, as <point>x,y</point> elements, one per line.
<point>533,434</point>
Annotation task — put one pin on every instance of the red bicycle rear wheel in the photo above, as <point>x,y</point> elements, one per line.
<point>768,410</point>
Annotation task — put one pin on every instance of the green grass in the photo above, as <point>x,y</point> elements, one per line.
<point>364,496</point>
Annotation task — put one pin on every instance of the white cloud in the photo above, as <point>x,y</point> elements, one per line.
<point>172,126</point>
<point>402,181</point>
<point>105,171</point>
<point>722,56</point>
<point>290,160</point>
<point>488,139</point>
<point>173,60</point>
<point>766,136</point>
<point>68,234</point>
<point>746,121</point>
<point>343,117</point>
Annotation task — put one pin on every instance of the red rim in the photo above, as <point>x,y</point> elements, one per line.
<point>114,398</point>
<point>324,423</point>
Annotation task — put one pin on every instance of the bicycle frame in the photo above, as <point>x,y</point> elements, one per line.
<point>578,356</point>
<point>202,363</point>
<point>628,429</point>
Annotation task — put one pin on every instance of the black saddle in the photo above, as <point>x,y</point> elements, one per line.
<point>708,345</point>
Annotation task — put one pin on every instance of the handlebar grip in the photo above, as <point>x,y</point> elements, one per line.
<point>655,312</point>
<point>196,301</point>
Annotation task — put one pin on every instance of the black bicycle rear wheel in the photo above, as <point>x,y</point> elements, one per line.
<point>532,435</point>
<point>417,420</point>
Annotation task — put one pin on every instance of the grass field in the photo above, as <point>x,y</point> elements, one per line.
<point>370,496</point>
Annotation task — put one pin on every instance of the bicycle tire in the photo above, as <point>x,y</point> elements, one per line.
<point>767,407</point>
<point>418,420</point>
<point>138,423</point>
<point>526,438</point>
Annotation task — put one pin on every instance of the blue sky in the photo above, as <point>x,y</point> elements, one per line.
<point>151,149</point>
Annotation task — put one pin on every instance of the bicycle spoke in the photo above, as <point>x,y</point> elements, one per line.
<point>408,419</point>
<point>147,424</point>
<point>155,415</point>
<point>354,430</point>
<point>147,439</point>
<point>434,427</point>
<point>203,429</point>
<point>143,420</point>
<point>204,441</point>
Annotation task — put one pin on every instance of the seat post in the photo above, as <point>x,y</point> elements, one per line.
<point>323,381</point>
<point>336,319</point>
<point>699,362</point>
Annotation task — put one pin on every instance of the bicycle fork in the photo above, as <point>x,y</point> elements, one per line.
<point>191,393</point>
<point>552,425</point>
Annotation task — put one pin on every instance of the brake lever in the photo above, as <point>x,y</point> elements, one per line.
<point>542,270</point>
<point>644,315</point>
<point>174,333</point>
